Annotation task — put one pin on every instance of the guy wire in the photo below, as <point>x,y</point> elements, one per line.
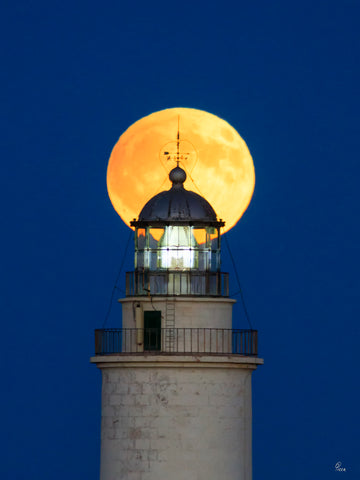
<point>117,279</point>
<point>234,267</point>
<point>238,281</point>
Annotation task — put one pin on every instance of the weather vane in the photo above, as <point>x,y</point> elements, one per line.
<point>177,156</point>
<point>216,160</point>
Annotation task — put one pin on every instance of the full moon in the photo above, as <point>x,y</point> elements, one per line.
<point>216,159</point>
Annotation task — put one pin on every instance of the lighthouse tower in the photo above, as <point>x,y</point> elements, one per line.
<point>176,378</point>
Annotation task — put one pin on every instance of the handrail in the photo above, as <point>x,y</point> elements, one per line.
<point>176,341</point>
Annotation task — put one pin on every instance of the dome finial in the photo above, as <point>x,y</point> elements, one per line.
<point>177,176</point>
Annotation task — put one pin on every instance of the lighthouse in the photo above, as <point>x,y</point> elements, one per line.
<point>176,377</point>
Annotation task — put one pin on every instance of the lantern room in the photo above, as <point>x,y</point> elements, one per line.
<point>177,245</point>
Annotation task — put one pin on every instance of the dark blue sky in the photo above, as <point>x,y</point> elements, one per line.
<point>74,76</point>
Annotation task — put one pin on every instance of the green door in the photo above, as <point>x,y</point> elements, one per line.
<point>152,330</point>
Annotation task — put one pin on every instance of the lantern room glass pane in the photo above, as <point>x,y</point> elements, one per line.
<point>204,260</point>
<point>201,237</point>
<point>153,255</point>
<point>213,236</point>
<point>155,234</point>
<point>215,261</point>
<point>141,238</point>
<point>177,248</point>
<point>139,260</point>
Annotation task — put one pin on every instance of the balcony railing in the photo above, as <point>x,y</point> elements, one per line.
<point>189,283</point>
<point>176,341</point>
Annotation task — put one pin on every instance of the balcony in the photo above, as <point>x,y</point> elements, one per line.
<point>176,341</point>
<point>171,283</point>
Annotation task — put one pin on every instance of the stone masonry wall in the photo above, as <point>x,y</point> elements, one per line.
<point>176,423</point>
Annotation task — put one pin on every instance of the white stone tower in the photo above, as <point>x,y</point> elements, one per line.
<point>176,391</point>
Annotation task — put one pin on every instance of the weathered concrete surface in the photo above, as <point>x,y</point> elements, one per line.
<point>176,418</point>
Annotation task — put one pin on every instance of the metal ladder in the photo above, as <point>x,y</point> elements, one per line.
<point>170,325</point>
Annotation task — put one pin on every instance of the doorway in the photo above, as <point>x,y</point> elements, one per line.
<point>152,331</point>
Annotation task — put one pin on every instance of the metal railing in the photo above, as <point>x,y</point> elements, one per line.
<point>189,283</point>
<point>176,341</point>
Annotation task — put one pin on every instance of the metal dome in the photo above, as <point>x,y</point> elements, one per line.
<point>177,205</point>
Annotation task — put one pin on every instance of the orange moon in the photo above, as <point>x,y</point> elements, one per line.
<point>216,159</point>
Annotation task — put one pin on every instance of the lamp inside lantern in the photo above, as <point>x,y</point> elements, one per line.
<point>178,249</point>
